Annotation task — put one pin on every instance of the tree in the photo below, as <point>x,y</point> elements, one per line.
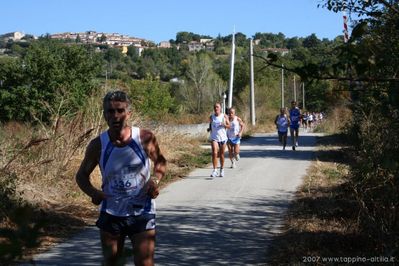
<point>151,98</point>
<point>203,86</point>
<point>46,75</point>
<point>184,37</point>
<point>133,53</point>
<point>198,72</point>
<point>311,41</point>
<point>103,38</point>
<point>271,40</point>
<point>370,62</point>
<point>293,43</point>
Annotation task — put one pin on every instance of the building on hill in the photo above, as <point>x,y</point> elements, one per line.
<point>195,46</point>
<point>14,36</point>
<point>203,44</point>
<point>165,44</point>
<point>206,40</point>
<point>282,51</point>
<point>94,37</point>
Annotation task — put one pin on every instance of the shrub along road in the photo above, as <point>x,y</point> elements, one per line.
<point>222,220</point>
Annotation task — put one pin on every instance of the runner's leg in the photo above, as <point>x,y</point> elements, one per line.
<point>215,151</point>
<point>144,247</point>
<point>112,248</point>
<point>230,147</point>
<point>221,154</point>
<point>284,137</point>
<point>237,149</point>
<point>292,133</point>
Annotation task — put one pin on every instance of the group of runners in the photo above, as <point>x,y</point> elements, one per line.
<point>291,120</point>
<point>311,119</point>
<point>225,130</point>
<point>123,153</point>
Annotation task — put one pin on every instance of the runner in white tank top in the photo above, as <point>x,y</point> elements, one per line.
<point>234,134</point>
<point>218,123</point>
<point>218,129</point>
<point>125,174</point>
<point>127,196</point>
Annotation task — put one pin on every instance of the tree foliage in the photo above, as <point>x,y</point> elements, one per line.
<point>46,75</point>
<point>370,62</point>
<point>55,70</point>
<point>151,98</point>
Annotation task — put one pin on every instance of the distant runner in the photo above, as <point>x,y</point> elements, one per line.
<point>218,123</point>
<point>282,122</point>
<point>295,118</point>
<point>234,134</point>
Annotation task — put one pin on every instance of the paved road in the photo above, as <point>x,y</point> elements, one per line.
<point>215,221</point>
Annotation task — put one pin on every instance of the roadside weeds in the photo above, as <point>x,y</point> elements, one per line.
<point>321,226</point>
<point>48,212</point>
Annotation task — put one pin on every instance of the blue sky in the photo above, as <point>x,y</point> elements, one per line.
<point>159,20</point>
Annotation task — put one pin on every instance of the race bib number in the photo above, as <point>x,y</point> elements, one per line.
<point>129,182</point>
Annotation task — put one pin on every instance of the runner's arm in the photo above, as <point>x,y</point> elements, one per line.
<point>242,126</point>
<point>151,147</point>
<point>226,122</point>
<point>90,161</point>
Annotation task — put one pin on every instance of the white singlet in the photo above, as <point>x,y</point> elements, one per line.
<point>218,131</point>
<point>234,129</point>
<point>125,174</point>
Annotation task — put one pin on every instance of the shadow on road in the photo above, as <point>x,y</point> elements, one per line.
<point>272,140</point>
<point>83,249</point>
<point>213,236</point>
<point>268,146</point>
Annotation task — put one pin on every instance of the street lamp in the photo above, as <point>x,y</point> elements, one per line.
<point>224,102</point>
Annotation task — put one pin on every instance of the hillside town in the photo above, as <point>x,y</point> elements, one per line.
<point>111,39</point>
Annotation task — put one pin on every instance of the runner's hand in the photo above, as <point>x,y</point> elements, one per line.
<point>98,197</point>
<point>153,189</point>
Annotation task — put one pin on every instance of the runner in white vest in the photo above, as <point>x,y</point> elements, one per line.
<point>123,154</point>
<point>234,134</point>
<point>218,123</point>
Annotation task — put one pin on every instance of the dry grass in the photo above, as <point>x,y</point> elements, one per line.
<point>323,220</point>
<point>43,162</point>
<point>337,119</point>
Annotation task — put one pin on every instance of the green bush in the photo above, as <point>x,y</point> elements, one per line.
<point>151,98</point>
<point>49,75</point>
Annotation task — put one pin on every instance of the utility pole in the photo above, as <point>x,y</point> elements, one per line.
<point>106,78</point>
<point>282,86</point>
<point>252,94</point>
<point>230,102</point>
<point>346,34</point>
